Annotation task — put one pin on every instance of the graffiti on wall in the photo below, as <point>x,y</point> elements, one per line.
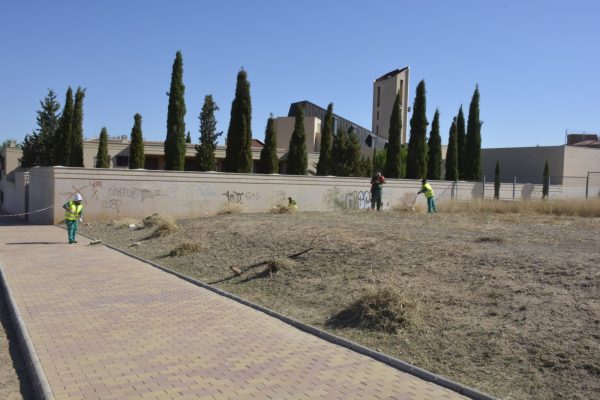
<point>135,193</point>
<point>358,200</point>
<point>95,192</point>
<point>112,204</point>
<point>235,197</point>
<point>349,200</point>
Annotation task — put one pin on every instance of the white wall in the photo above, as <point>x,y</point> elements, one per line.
<point>112,193</point>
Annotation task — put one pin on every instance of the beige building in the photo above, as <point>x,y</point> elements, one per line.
<point>569,164</point>
<point>284,127</point>
<point>385,89</point>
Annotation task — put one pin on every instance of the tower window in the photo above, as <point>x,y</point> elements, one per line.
<point>378,95</point>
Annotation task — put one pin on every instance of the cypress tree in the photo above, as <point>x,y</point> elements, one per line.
<point>175,141</point>
<point>102,160</point>
<point>403,159</point>
<point>452,154</point>
<point>339,165</point>
<point>461,137</point>
<point>136,150</point>
<point>205,151</point>
<point>497,181</point>
<point>546,184</point>
<point>379,160</point>
<point>269,163</point>
<point>76,152</point>
<point>434,166</point>
<point>392,165</point>
<point>297,162</point>
<point>238,154</point>
<point>366,166</point>
<point>62,146</point>
<point>416,166</point>
<point>324,164</point>
<point>188,138</point>
<point>353,157</point>
<point>31,148</point>
<point>346,157</point>
<point>473,170</point>
<point>48,122</point>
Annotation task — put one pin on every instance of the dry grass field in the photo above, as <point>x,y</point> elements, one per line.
<point>504,298</point>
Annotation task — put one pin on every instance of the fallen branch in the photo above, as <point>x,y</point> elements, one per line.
<point>239,271</point>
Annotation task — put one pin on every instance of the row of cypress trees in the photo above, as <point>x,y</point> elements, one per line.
<point>463,155</point>
<point>339,154</point>
<point>58,139</point>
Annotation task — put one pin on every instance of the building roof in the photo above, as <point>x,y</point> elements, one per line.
<point>255,144</point>
<point>583,139</point>
<point>390,74</point>
<point>364,135</point>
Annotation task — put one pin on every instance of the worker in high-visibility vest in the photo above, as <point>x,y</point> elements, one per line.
<point>376,190</point>
<point>73,215</point>
<point>427,190</point>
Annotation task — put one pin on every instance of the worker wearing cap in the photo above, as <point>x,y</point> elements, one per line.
<point>73,215</point>
<point>427,190</point>
<point>376,189</point>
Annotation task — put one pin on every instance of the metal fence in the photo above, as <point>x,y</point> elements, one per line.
<point>522,188</point>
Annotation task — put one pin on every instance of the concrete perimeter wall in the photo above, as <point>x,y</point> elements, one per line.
<point>111,194</point>
<point>14,193</point>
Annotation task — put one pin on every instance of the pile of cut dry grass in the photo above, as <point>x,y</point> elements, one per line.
<point>572,208</point>
<point>385,309</point>
<point>281,209</point>
<point>279,264</point>
<point>163,225</point>
<point>185,248</point>
<point>230,208</point>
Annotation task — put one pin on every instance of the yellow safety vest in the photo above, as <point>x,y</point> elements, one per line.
<point>427,190</point>
<point>74,211</point>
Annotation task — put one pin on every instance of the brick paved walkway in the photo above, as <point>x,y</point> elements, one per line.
<point>107,326</point>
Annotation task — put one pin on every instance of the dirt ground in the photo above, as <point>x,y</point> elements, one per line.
<point>14,379</point>
<point>508,304</point>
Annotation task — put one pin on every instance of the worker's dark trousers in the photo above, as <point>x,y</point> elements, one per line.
<point>376,199</point>
<point>431,204</point>
<point>71,229</point>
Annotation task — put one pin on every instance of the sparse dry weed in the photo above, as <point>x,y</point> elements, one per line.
<point>571,208</point>
<point>163,225</point>
<point>124,222</point>
<point>185,248</point>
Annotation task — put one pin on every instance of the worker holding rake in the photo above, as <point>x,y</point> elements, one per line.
<point>73,215</point>
<point>427,190</point>
<point>376,189</point>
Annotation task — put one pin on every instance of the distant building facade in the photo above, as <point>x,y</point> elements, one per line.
<point>314,117</point>
<point>385,89</point>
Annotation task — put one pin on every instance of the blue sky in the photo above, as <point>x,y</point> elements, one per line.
<point>536,62</point>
